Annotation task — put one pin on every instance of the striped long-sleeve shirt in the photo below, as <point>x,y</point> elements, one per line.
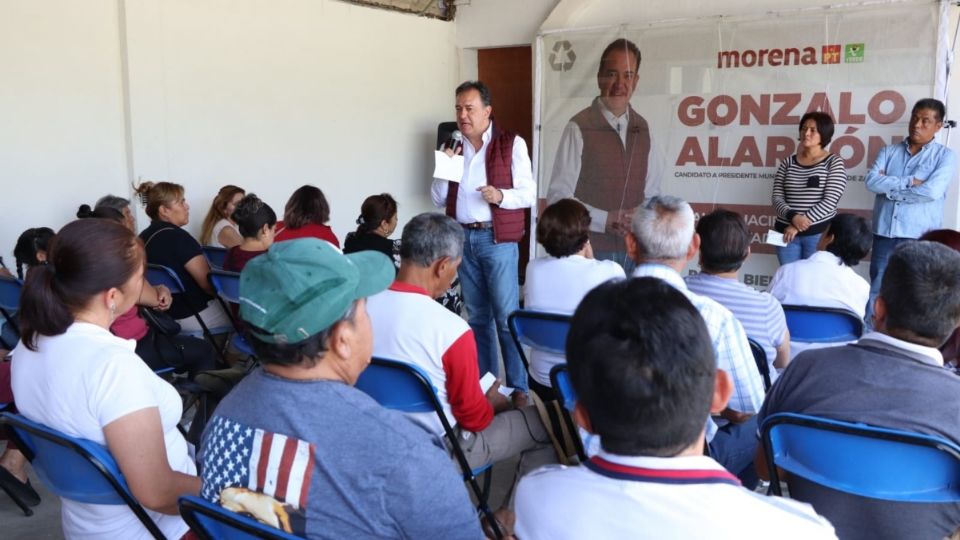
<point>813,191</point>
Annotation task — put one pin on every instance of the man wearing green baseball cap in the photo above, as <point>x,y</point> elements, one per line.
<point>295,444</point>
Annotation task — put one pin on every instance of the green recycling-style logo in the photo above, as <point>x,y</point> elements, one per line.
<point>562,57</point>
<point>853,53</point>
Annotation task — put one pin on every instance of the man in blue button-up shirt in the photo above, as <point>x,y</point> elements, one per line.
<point>910,179</point>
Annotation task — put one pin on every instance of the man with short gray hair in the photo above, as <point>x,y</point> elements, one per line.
<point>662,242</point>
<point>408,325</point>
<point>892,378</point>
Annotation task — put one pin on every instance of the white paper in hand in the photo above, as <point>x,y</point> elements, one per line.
<point>487,381</point>
<point>447,167</point>
<point>775,239</point>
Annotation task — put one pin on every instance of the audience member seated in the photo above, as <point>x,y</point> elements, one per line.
<point>377,221</point>
<point>644,369</point>
<point>951,348</point>
<point>724,246</point>
<point>120,205</point>
<point>219,228</point>
<point>158,349</point>
<point>31,248</point>
<point>827,278</point>
<point>349,468</point>
<point>13,464</point>
<point>558,281</point>
<point>662,242</point>
<point>305,216</point>
<point>258,224</point>
<point>168,244</point>
<point>72,374</point>
<point>892,378</point>
<point>409,326</point>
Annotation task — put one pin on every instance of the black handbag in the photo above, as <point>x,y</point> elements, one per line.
<point>160,321</point>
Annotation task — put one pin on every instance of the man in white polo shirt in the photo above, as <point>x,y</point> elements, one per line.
<point>408,325</point>
<point>643,366</point>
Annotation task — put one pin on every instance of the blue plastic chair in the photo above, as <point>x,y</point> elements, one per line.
<point>560,381</point>
<point>75,469</point>
<point>810,324</point>
<point>227,285</point>
<point>211,521</point>
<point>405,387</point>
<point>760,357</point>
<point>215,255</point>
<point>161,275</point>
<point>539,330</point>
<point>862,460</point>
<point>10,301</point>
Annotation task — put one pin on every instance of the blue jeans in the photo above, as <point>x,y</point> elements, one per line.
<point>734,446</point>
<point>879,255</point>
<point>802,247</point>
<point>491,292</point>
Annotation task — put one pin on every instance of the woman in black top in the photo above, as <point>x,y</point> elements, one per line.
<point>377,221</point>
<point>807,189</point>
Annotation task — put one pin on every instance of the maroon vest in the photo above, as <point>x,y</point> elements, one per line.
<point>611,176</point>
<point>507,224</point>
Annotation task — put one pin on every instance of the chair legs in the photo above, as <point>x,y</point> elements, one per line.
<point>27,511</point>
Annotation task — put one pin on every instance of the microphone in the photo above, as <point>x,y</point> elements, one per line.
<point>455,141</point>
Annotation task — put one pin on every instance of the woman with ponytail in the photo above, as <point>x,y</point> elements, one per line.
<point>168,244</point>
<point>70,373</point>
<point>377,221</point>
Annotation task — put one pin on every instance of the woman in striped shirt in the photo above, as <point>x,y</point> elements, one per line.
<point>807,189</point>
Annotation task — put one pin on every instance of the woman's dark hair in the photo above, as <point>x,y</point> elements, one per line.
<point>947,237</point>
<point>724,241</point>
<point>74,273</point>
<point>851,238</point>
<point>307,205</point>
<point>374,210</point>
<point>563,228</point>
<point>29,243</point>
<point>102,212</point>
<point>824,125</point>
<point>252,214</point>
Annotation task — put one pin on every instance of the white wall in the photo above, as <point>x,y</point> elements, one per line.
<point>61,133</point>
<point>266,94</point>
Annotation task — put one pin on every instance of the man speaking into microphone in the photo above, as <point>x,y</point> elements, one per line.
<point>488,202</point>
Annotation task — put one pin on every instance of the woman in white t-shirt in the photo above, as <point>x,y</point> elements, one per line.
<point>70,373</point>
<point>558,281</point>
<point>218,228</point>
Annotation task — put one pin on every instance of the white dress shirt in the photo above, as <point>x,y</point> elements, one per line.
<point>822,280</point>
<point>566,165</point>
<point>471,207</point>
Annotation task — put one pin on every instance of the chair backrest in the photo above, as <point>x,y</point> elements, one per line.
<point>213,522</point>
<point>560,380</point>
<point>862,460</point>
<point>539,330</point>
<point>399,386</point>
<point>811,324</point>
<point>215,255</point>
<point>760,357</point>
<point>74,468</point>
<point>157,274</point>
<point>10,293</point>
<point>227,284</point>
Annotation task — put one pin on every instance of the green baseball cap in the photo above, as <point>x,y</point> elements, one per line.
<point>299,288</point>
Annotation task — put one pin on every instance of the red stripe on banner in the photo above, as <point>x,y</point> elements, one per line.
<point>307,476</point>
<point>263,460</point>
<point>283,474</point>
<point>684,474</point>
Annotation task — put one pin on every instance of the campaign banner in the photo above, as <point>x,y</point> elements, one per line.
<point>722,99</point>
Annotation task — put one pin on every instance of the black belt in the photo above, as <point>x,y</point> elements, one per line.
<point>478,225</point>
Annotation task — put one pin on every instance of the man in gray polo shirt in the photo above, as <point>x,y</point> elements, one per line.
<point>893,378</point>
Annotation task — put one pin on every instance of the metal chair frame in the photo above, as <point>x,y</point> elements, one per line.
<point>760,357</point>
<point>157,274</point>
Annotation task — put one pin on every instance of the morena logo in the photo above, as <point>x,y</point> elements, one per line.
<point>790,56</point>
